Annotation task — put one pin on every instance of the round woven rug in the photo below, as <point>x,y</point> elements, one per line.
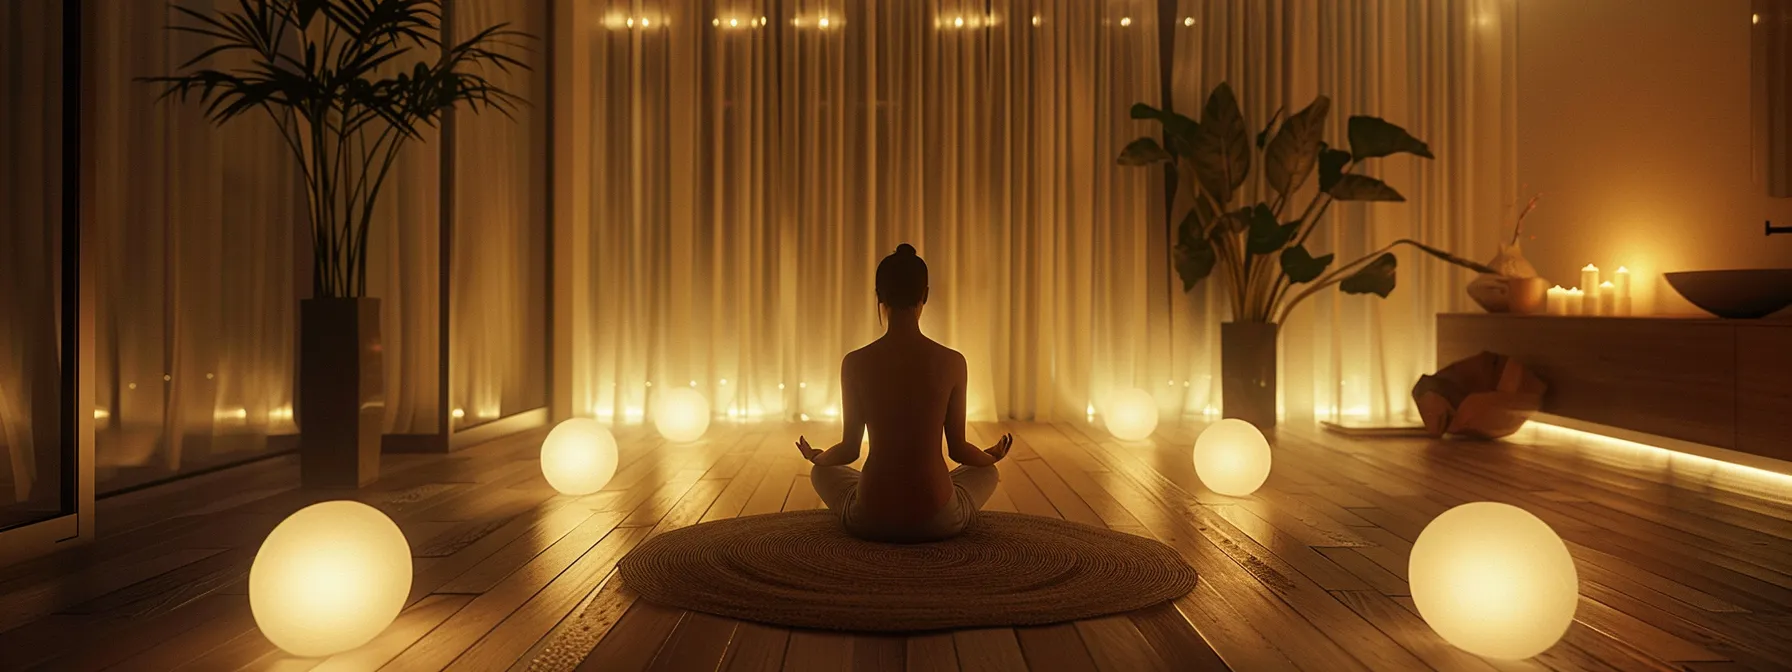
<point>802,570</point>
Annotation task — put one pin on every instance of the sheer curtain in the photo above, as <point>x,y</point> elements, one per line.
<point>746,165</point>
<point>30,260</point>
<point>195,232</point>
<point>498,324</point>
<point>1445,70</point>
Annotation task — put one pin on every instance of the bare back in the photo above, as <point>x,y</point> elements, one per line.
<point>906,390</point>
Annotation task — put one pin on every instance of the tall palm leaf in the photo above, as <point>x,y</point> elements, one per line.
<point>333,76</point>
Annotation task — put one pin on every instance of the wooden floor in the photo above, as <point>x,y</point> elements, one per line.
<point>1681,567</point>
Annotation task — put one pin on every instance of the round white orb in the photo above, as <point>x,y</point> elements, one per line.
<point>682,415</point>
<point>578,457</point>
<point>329,578</point>
<point>1132,415</point>
<point>1494,580</point>
<point>1232,457</point>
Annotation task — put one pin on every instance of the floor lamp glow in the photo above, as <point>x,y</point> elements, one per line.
<point>1494,580</point>
<point>578,457</point>
<point>329,578</point>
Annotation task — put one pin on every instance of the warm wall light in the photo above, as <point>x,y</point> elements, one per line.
<point>578,457</point>
<point>329,578</point>
<point>1494,580</point>
<point>1232,457</point>
<point>1131,415</point>
<point>682,415</point>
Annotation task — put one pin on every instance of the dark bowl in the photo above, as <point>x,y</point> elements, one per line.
<point>1739,294</point>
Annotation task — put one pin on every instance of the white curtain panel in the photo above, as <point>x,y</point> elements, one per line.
<point>195,230</point>
<point>746,165</point>
<point>30,255</point>
<point>1445,70</point>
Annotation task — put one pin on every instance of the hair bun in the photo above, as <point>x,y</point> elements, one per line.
<point>905,250</point>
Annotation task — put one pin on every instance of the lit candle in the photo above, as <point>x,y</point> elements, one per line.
<point>1622,281</point>
<point>1589,278</point>
<point>1576,303</point>
<point>1608,299</point>
<point>1557,300</point>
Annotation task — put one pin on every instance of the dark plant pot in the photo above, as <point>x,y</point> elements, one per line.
<point>342,392</point>
<point>1248,372</point>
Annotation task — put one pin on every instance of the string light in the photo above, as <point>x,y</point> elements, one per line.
<point>631,22</point>
<point>1189,21</point>
<point>1035,19</point>
<point>824,22</point>
<point>958,22</point>
<point>645,23</point>
<point>1125,21</point>
<point>715,22</point>
<point>733,22</point>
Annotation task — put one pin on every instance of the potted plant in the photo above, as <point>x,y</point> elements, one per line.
<point>1260,248</point>
<point>347,83</point>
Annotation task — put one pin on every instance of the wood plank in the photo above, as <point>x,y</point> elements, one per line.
<point>817,651</point>
<point>988,650</point>
<point>932,653</point>
<point>1054,648</point>
<point>879,653</point>
<point>1175,640</point>
<point>756,648</point>
<point>1116,646</point>
<point>636,639</point>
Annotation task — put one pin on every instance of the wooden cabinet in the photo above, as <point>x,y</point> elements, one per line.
<point>1722,383</point>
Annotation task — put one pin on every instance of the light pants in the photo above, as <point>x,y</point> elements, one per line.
<point>972,486</point>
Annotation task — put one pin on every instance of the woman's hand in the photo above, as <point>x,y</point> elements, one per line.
<point>1000,450</point>
<point>802,444</point>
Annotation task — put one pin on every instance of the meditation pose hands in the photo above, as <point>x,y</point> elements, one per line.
<point>821,457</point>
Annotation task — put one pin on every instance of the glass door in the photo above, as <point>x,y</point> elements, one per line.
<point>45,499</point>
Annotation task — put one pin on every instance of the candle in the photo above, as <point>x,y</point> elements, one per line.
<point>1575,305</point>
<point>1589,278</point>
<point>1608,299</point>
<point>1622,282</point>
<point>1557,300</point>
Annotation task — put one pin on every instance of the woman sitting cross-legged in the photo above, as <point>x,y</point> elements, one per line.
<point>905,389</point>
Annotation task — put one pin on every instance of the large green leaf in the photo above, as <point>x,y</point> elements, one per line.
<point>1376,278</point>
<point>1194,254</point>
<point>1301,266</point>
<point>1222,148</point>
<point>1266,236</point>
<point>1143,152</point>
<point>1290,156</point>
<point>1363,188</point>
<point>1331,166</point>
<point>1370,137</point>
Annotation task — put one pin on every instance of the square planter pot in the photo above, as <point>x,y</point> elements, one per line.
<point>1248,372</point>
<point>342,392</point>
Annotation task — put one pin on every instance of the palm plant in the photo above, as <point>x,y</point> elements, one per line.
<point>329,74</point>
<point>1258,248</point>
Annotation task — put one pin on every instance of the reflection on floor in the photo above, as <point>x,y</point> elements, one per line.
<point>1678,570</point>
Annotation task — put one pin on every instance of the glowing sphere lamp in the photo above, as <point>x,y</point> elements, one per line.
<point>1494,580</point>
<point>1131,415</point>
<point>682,415</point>
<point>329,578</point>
<point>1232,457</point>
<point>578,457</point>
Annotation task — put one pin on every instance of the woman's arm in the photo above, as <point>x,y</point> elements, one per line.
<point>852,421</point>
<point>962,451</point>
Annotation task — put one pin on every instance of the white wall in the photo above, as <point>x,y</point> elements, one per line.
<point>1633,119</point>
